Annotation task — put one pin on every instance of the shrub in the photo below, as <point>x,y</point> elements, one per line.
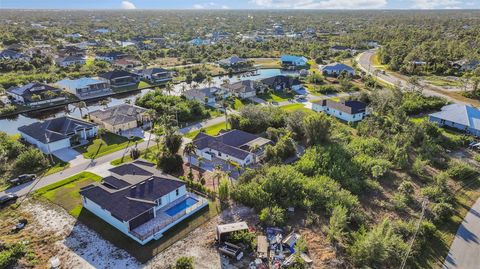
<point>31,160</point>
<point>184,263</point>
<point>442,211</point>
<point>272,216</point>
<point>170,163</point>
<point>461,171</point>
<point>245,237</point>
<point>223,190</point>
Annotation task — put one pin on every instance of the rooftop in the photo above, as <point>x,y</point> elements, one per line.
<point>350,106</point>
<point>79,83</point>
<point>119,114</point>
<point>54,129</point>
<point>462,114</point>
<point>131,189</point>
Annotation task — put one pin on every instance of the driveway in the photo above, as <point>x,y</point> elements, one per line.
<point>465,249</point>
<point>70,155</point>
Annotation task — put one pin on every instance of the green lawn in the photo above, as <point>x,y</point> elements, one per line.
<point>276,97</point>
<point>65,193</point>
<point>239,103</point>
<point>143,84</point>
<point>376,62</point>
<point>442,81</point>
<point>107,144</point>
<point>297,106</point>
<point>211,130</point>
<point>59,166</point>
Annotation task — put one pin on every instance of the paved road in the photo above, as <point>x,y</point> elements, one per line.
<point>465,250</point>
<point>96,165</point>
<point>364,61</point>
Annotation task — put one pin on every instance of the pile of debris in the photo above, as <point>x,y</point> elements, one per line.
<point>282,249</point>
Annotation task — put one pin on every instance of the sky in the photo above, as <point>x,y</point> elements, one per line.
<point>241,4</point>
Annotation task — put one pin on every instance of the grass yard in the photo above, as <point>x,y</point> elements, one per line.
<point>239,103</point>
<point>376,62</point>
<point>276,97</point>
<point>65,193</point>
<point>59,166</point>
<point>107,144</point>
<point>267,63</point>
<point>442,81</point>
<point>211,130</point>
<point>297,106</point>
<point>143,84</point>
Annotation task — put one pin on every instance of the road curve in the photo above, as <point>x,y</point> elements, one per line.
<point>364,61</point>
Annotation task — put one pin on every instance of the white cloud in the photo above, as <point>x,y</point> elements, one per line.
<point>432,4</point>
<point>322,4</point>
<point>210,5</point>
<point>127,5</point>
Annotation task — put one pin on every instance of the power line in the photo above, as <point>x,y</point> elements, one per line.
<point>422,214</point>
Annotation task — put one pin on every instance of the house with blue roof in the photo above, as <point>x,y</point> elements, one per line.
<point>462,117</point>
<point>292,60</point>
<point>335,69</point>
<point>85,88</point>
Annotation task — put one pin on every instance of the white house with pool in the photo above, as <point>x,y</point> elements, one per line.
<point>141,201</point>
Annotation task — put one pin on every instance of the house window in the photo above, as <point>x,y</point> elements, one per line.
<point>159,202</point>
<point>177,192</point>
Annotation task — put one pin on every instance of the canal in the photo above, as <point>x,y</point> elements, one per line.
<point>11,124</point>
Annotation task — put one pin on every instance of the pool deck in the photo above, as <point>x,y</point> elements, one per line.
<point>162,221</point>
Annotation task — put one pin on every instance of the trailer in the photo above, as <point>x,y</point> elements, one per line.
<point>231,250</point>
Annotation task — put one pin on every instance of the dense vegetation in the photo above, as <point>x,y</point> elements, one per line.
<point>369,182</point>
<point>17,158</point>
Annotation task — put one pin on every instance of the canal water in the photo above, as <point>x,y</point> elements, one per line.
<point>11,124</point>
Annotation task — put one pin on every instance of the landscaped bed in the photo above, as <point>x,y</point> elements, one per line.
<point>105,145</point>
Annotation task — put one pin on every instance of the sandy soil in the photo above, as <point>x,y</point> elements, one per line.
<point>79,247</point>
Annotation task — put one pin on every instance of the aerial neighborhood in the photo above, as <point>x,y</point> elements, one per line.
<point>217,138</point>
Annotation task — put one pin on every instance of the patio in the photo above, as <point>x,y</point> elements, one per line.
<point>209,165</point>
<point>163,221</point>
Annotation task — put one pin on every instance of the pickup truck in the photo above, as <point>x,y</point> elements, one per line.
<point>22,179</point>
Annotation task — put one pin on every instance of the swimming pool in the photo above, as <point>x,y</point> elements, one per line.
<point>172,211</point>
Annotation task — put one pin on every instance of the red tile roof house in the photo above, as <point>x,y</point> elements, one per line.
<point>140,201</point>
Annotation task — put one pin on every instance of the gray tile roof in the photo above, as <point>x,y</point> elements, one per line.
<point>350,107</point>
<point>126,200</point>
<point>119,114</point>
<point>233,143</point>
<point>28,90</point>
<point>152,71</point>
<point>461,114</point>
<point>243,86</point>
<point>117,74</point>
<point>55,129</point>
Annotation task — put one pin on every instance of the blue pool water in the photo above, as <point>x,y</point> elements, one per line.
<point>172,211</point>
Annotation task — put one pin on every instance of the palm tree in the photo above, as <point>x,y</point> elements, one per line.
<point>253,150</point>
<point>226,81</point>
<point>128,101</point>
<point>217,174</point>
<point>226,103</point>
<point>50,94</point>
<point>169,87</point>
<point>80,105</point>
<point>189,150</point>
<point>105,103</point>
<point>183,88</point>
<point>151,117</point>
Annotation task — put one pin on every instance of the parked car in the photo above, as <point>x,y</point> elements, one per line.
<point>22,179</point>
<point>4,199</point>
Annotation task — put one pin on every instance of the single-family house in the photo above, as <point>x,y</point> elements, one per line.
<point>85,88</point>
<point>335,69</point>
<point>110,56</point>
<point>10,54</point>
<point>339,48</point>
<point>243,89</point>
<point>207,96</point>
<point>233,62</point>
<point>101,31</point>
<point>126,63</point>
<point>74,35</point>
<point>350,111</point>
<point>462,117</point>
<point>72,50</point>
<point>58,133</point>
<point>71,60</point>
<point>155,74</point>
<point>292,60</point>
<point>237,146</point>
<point>35,93</point>
<point>282,82</point>
<point>120,78</point>
<point>120,118</point>
<point>140,201</point>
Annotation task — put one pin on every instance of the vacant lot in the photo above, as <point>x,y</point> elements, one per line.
<point>105,145</point>
<point>297,106</point>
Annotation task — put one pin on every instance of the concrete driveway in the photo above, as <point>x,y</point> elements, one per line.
<point>70,155</point>
<point>465,249</point>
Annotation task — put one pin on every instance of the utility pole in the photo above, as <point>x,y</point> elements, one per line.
<point>422,214</point>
